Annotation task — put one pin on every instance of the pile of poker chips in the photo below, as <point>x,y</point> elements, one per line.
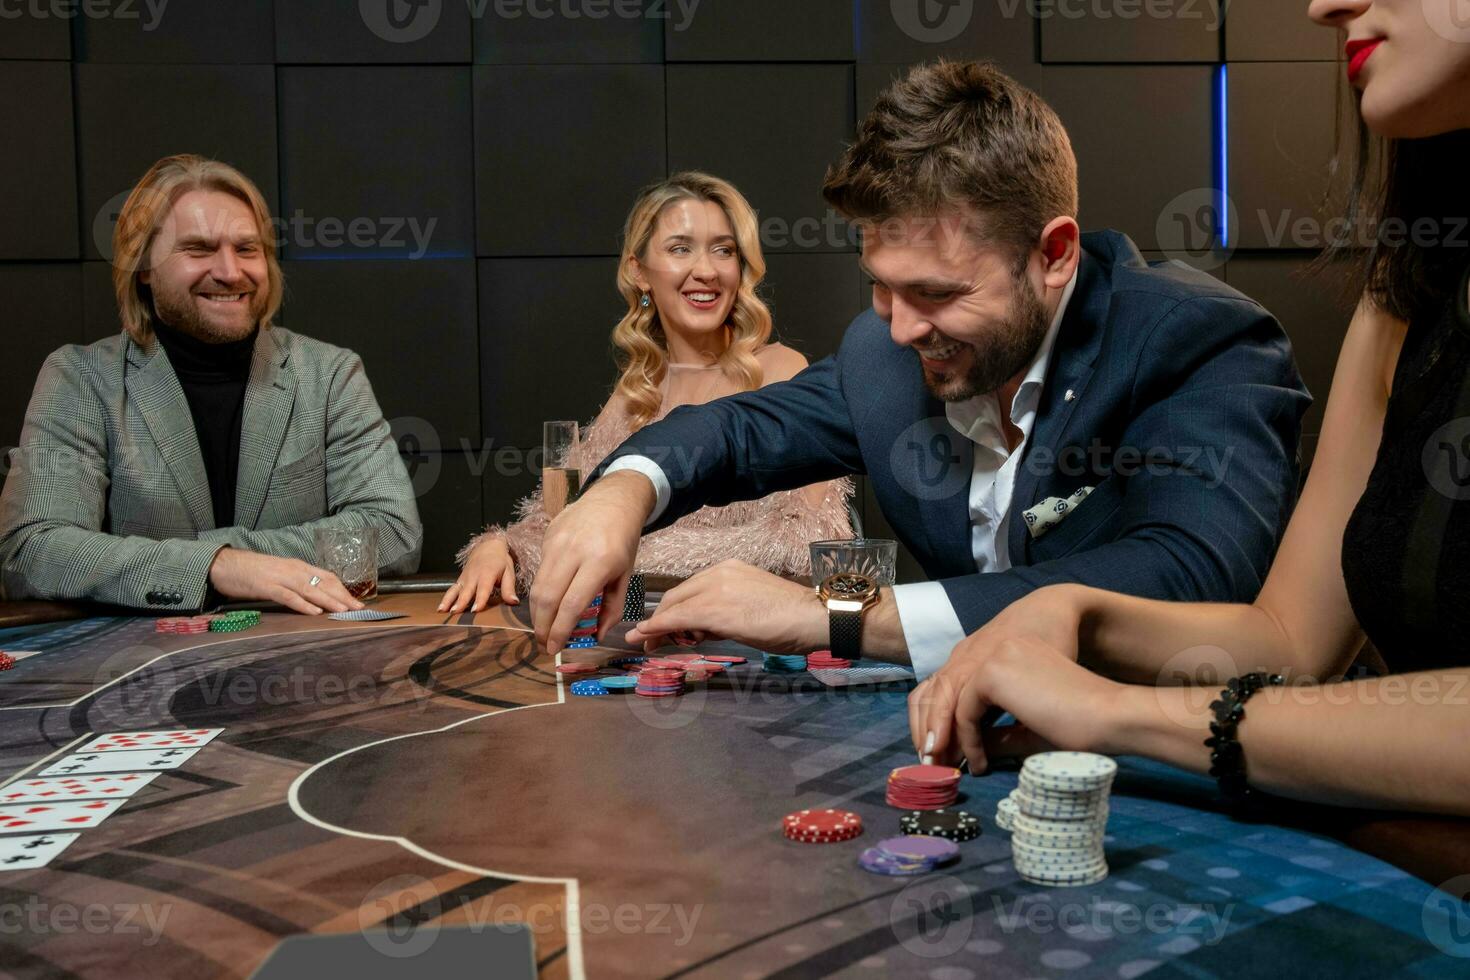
<point>1061,815</point>
<point>589,688</point>
<point>782,663</point>
<point>823,660</point>
<point>952,825</point>
<point>1005,813</point>
<point>234,622</point>
<point>923,787</point>
<point>6,660</point>
<point>909,855</point>
<point>183,624</point>
<point>659,682</point>
<point>584,634</point>
<point>821,826</point>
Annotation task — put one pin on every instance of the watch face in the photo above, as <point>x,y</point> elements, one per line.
<point>849,585</point>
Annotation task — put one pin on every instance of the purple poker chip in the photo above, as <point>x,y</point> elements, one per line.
<point>918,847</point>
<point>876,861</point>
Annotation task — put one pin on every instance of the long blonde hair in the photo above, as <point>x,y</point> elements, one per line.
<point>144,213</point>
<point>639,337</point>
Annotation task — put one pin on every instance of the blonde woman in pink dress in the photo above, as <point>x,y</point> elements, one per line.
<point>695,331</point>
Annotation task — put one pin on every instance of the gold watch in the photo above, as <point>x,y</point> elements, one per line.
<point>846,595</point>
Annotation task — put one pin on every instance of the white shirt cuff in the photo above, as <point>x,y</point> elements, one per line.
<point>656,476</point>
<point>931,627</point>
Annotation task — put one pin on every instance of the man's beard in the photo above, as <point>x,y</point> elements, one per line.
<point>1000,357</point>
<point>180,313</point>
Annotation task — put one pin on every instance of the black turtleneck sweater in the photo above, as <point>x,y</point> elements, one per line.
<point>213,377</point>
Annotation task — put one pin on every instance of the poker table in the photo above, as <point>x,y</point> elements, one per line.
<point>433,773</point>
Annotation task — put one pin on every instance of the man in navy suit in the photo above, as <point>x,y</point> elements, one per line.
<point>1031,405</point>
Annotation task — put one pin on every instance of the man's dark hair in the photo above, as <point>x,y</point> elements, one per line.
<point>951,135</point>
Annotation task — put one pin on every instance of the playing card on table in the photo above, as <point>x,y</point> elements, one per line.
<point>83,763</point>
<point>32,851</point>
<point>31,817</point>
<point>178,738</point>
<point>59,788</point>
<point>366,615</point>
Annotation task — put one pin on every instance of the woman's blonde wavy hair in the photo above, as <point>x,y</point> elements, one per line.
<point>642,347</point>
<point>144,213</point>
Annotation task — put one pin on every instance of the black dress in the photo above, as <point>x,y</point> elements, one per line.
<point>1406,550</point>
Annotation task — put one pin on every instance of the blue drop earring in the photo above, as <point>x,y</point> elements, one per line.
<point>645,302</point>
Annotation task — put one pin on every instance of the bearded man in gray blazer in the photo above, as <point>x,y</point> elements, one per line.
<point>190,457</point>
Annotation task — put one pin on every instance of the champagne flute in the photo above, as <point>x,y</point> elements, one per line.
<point>561,480</point>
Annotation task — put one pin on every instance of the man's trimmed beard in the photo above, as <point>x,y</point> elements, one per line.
<point>996,359</point>
<point>179,312</point>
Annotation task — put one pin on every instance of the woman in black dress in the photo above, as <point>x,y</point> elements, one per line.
<point>1378,546</point>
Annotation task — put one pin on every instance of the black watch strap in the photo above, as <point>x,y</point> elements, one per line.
<point>845,633</point>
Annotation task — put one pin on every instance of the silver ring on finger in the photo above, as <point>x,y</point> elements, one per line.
<point>315,581</point>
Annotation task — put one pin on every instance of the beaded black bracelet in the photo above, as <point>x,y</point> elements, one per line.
<point>1227,758</point>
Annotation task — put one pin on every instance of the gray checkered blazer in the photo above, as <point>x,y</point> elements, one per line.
<point>108,499</point>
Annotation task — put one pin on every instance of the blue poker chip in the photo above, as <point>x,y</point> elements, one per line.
<point>589,688</point>
<point>781,663</point>
<point>586,644</point>
<point>621,682</point>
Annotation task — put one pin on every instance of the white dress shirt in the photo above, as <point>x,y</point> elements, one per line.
<point>931,628</point>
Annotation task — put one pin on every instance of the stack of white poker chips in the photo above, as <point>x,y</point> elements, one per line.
<point>1061,813</point>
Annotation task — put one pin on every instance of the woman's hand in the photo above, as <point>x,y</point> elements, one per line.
<point>490,567</point>
<point>1051,617</point>
<point>1057,703</point>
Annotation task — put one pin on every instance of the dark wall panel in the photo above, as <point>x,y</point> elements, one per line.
<point>1135,32</point>
<point>1313,308</point>
<point>564,189</point>
<point>1273,30</point>
<point>509,475</point>
<point>35,35</point>
<point>545,347</point>
<point>43,305</point>
<point>1281,148</point>
<point>541,34</point>
<point>414,324</point>
<point>790,122</point>
<point>99,302</point>
<point>343,32</point>
<point>1143,135</point>
<point>38,159</point>
<point>759,30</point>
<point>449,489</point>
<point>377,162</point>
<point>813,298</point>
<point>205,32</point>
<point>225,112</point>
<point>907,32</point>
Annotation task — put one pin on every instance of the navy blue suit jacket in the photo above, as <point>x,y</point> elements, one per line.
<point>1185,416</point>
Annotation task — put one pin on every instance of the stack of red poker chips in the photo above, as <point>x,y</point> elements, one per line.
<point>578,669</point>
<point>823,660</point>
<point>660,682</point>
<point>183,624</point>
<point>6,660</point>
<point>923,787</point>
<point>821,826</point>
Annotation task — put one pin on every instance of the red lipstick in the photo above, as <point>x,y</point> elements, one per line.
<point>1358,53</point>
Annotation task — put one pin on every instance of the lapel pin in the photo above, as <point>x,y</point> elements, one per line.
<point>1070,396</point>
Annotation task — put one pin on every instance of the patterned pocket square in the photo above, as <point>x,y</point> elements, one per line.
<point>1049,513</point>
